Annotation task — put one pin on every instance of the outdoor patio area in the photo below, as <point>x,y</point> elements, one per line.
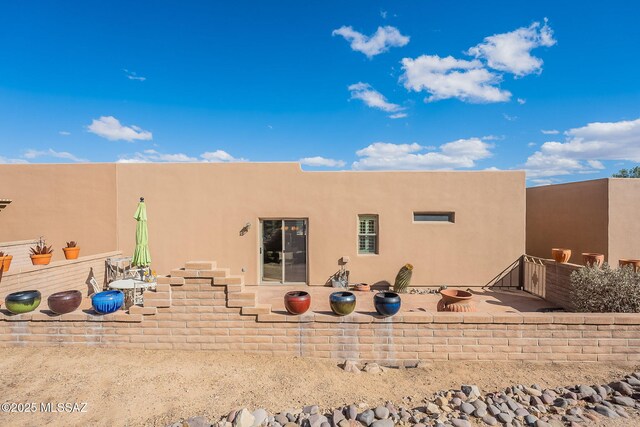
<point>491,301</point>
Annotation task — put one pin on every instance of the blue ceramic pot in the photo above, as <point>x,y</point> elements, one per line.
<point>107,302</point>
<point>387,303</point>
<point>342,303</point>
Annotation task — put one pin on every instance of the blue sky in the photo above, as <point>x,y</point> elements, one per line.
<point>338,85</point>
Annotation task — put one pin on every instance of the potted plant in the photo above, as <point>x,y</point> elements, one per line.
<point>72,250</point>
<point>5,261</point>
<point>41,253</point>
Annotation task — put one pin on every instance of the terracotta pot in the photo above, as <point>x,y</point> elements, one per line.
<point>107,302</point>
<point>362,287</point>
<point>64,302</point>
<point>6,262</point>
<point>561,255</point>
<point>387,303</point>
<point>22,302</point>
<point>71,253</point>
<point>342,303</point>
<point>456,300</point>
<point>592,258</point>
<point>41,259</point>
<point>297,302</point>
<point>635,263</point>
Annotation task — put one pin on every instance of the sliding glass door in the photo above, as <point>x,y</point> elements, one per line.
<point>283,250</point>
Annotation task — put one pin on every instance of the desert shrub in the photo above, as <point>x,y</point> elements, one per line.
<point>606,290</point>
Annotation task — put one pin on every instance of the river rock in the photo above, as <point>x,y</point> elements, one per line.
<point>244,418</point>
<point>381,412</point>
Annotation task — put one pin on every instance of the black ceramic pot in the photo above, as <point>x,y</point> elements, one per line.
<point>387,303</point>
<point>64,302</point>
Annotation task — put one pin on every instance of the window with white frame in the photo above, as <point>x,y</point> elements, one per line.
<point>367,234</point>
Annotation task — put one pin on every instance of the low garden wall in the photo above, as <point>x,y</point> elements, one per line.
<point>202,307</point>
<point>549,279</point>
<point>57,276</point>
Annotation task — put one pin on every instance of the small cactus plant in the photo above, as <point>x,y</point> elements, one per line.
<point>403,278</point>
<point>72,244</point>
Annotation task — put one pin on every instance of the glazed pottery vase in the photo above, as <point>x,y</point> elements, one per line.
<point>362,287</point>
<point>71,253</point>
<point>634,263</point>
<point>41,259</point>
<point>387,303</point>
<point>6,262</point>
<point>455,300</point>
<point>342,303</point>
<point>107,302</point>
<point>297,302</point>
<point>561,255</point>
<point>64,302</point>
<point>22,302</point>
<point>593,259</point>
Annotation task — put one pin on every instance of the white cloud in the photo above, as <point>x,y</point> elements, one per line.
<point>511,52</point>
<point>322,161</point>
<point>463,153</point>
<point>32,154</point>
<point>448,77</point>
<point>398,116</point>
<point>585,147</point>
<point>132,75</point>
<point>531,144</point>
<point>383,14</point>
<point>153,156</point>
<point>110,128</point>
<point>374,99</point>
<point>383,39</point>
<point>521,101</point>
<point>550,132</point>
<point>64,133</point>
<point>220,156</point>
<point>509,118</point>
<point>9,161</point>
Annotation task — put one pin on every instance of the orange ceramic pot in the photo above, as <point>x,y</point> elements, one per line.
<point>6,262</point>
<point>71,253</point>
<point>456,300</point>
<point>362,287</point>
<point>593,259</point>
<point>635,263</point>
<point>41,259</point>
<point>561,255</point>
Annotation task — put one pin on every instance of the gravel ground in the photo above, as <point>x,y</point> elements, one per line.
<point>136,387</point>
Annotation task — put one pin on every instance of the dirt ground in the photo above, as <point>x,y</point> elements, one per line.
<point>153,388</point>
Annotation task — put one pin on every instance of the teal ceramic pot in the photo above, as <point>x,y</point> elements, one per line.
<point>22,302</point>
<point>342,303</point>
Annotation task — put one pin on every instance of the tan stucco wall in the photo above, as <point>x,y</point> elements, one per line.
<point>197,211</point>
<point>573,216</point>
<point>624,218</point>
<point>61,203</point>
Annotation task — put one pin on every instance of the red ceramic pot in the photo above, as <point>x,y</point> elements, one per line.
<point>297,302</point>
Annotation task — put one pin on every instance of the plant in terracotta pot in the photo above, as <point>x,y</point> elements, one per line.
<point>561,255</point>
<point>593,259</point>
<point>5,261</point>
<point>634,263</point>
<point>41,253</point>
<point>72,250</point>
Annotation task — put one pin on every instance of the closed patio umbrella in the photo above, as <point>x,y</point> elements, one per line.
<point>141,255</point>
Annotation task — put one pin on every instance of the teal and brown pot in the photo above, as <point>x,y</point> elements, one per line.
<point>342,303</point>
<point>22,302</point>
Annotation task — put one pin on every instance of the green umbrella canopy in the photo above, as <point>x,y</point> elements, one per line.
<point>141,255</point>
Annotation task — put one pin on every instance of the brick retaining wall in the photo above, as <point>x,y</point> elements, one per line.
<point>207,309</point>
